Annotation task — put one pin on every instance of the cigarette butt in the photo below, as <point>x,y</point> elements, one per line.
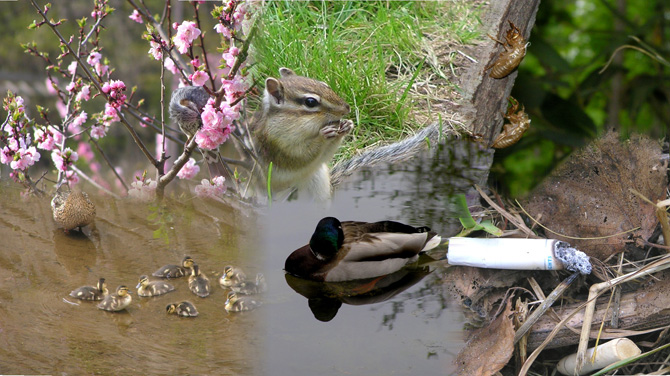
<point>504,253</point>
<point>607,353</point>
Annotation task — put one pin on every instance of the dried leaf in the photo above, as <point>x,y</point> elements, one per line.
<point>589,195</point>
<point>490,348</point>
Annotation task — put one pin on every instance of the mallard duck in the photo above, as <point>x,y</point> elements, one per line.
<point>232,276</point>
<point>236,303</point>
<point>346,251</point>
<point>175,271</point>
<point>72,209</point>
<point>152,288</point>
<point>96,292</point>
<point>198,283</point>
<point>183,309</point>
<point>117,301</point>
<point>251,288</point>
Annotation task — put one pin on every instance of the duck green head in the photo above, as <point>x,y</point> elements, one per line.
<point>327,238</point>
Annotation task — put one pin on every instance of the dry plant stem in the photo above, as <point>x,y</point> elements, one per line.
<point>519,224</point>
<point>546,304</point>
<point>94,183</point>
<point>557,328</point>
<point>95,82</point>
<point>597,289</point>
<point>109,163</point>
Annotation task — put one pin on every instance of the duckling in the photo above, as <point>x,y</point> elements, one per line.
<point>183,309</point>
<point>96,292</point>
<point>232,276</point>
<point>117,301</point>
<point>72,209</point>
<point>251,288</point>
<point>236,303</point>
<point>152,288</point>
<point>198,283</point>
<point>345,251</point>
<point>175,271</point>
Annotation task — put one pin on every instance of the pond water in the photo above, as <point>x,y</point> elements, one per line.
<point>409,326</point>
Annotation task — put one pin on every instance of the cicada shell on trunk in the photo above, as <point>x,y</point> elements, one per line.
<point>512,131</point>
<point>514,51</point>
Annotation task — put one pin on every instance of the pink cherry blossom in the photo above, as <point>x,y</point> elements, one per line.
<point>48,138</point>
<point>198,78</point>
<point>110,115</point>
<point>94,58</point>
<point>170,65</point>
<point>229,58</point>
<point>143,190</point>
<point>64,159</point>
<point>155,50</point>
<point>77,122</point>
<point>189,170</point>
<point>72,68</point>
<point>115,89</point>
<point>195,62</point>
<point>84,93</point>
<point>186,34</point>
<point>135,16</point>
<point>6,155</point>
<point>101,69</point>
<point>24,158</point>
<point>214,188</point>
<point>98,131</point>
<point>223,30</point>
<point>210,117</point>
<point>71,177</point>
<point>70,87</point>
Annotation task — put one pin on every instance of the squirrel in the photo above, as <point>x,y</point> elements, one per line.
<point>299,127</point>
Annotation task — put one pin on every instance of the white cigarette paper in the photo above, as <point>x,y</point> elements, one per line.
<point>504,253</point>
<point>607,353</point>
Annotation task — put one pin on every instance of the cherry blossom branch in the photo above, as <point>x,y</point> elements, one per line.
<point>109,163</point>
<point>95,82</point>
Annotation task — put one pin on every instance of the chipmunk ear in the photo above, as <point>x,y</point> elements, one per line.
<point>285,72</point>
<point>275,89</point>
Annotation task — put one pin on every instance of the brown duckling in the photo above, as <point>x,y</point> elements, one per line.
<point>236,303</point>
<point>251,288</point>
<point>183,309</point>
<point>96,292</point>
<point>232,276</point>
<point>72,209</point>
<point>152,288</point>
<point>175,271</point>
<point>198,282</point>
<point>117,301</point>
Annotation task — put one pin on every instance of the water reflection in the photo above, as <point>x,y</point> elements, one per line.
<point>411,331</point>
<point>325,298</point>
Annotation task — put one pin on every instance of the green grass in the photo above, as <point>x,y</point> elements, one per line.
<point>369,52</point>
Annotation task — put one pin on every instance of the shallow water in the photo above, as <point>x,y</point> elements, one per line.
<point>44,331</point>
<point>417,330</point>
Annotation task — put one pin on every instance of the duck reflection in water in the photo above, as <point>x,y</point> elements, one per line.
<point>326,298</point>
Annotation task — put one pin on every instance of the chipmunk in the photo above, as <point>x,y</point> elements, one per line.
<point>298,128</point>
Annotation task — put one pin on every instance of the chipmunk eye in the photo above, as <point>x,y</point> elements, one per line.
<point>311,102</point>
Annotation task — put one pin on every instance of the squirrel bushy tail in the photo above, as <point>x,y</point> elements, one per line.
<point>396,152</point>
